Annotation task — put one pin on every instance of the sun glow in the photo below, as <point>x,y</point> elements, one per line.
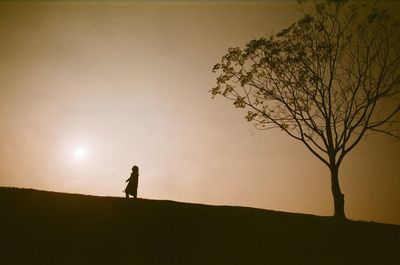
<point>79,153</point>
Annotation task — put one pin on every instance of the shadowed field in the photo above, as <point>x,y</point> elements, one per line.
<point>38,227</point>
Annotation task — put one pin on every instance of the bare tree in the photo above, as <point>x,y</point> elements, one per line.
<point>328,80</point>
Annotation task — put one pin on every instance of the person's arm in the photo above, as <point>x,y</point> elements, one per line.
<point>127,179</point>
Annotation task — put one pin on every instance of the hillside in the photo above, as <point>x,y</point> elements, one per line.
<point>39,227</point>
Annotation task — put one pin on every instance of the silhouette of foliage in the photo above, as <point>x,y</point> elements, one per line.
<point>327,80</point>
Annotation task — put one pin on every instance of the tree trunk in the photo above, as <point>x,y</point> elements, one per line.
<point>338,197</point>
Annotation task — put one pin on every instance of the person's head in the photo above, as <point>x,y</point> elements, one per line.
<point>135,169</point>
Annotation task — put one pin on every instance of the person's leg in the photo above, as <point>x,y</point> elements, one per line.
<point>126,195</point>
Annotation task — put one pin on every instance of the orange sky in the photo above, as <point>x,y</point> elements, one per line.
<point>89,90</point>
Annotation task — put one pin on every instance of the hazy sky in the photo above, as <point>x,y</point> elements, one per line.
<point>87,90</point>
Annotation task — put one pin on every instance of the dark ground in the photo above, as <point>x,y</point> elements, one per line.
<point>38,227</point>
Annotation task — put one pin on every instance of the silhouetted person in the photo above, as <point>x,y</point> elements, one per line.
<point>133,181</point>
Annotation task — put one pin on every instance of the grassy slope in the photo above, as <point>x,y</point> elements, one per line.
<point>38,227</point>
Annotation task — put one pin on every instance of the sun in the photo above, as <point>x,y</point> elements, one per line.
<point>79,153</point>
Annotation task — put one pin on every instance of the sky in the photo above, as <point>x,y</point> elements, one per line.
<point>87,90</point>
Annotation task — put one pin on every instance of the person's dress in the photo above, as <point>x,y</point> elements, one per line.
<point>132,186</point>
